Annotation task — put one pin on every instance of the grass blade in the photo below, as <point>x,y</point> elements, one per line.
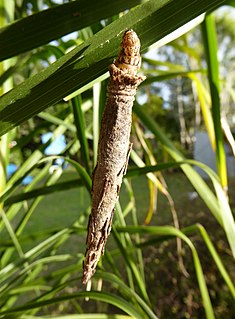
<point>211,49</point>
<point>81,130</point>
<point>105,297</point>
<point>130,262</point>
<point>171,231</point>
<point>197,182</point>
<point>217,259</point>
<point>12,234</point>
<point>91,59</point>
<point>82,316</point>
<point>125,289</point>
<point>44,190</point>
<point>56,22</point>
<point>223,212</point>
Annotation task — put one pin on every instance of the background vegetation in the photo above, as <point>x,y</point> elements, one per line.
<point>172,247</point>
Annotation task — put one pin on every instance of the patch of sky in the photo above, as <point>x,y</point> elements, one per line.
<point>12,168</point>
<point>70,36</point>
<point>54,148</point>
<point>156,56</point>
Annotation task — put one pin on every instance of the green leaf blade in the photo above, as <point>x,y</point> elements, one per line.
<point>91,59</point>
<point>56,22</point>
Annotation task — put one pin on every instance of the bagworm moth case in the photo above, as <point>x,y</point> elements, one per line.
<point>114,148</point>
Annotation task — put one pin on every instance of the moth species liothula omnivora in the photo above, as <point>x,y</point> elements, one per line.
<point>114,148</point>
